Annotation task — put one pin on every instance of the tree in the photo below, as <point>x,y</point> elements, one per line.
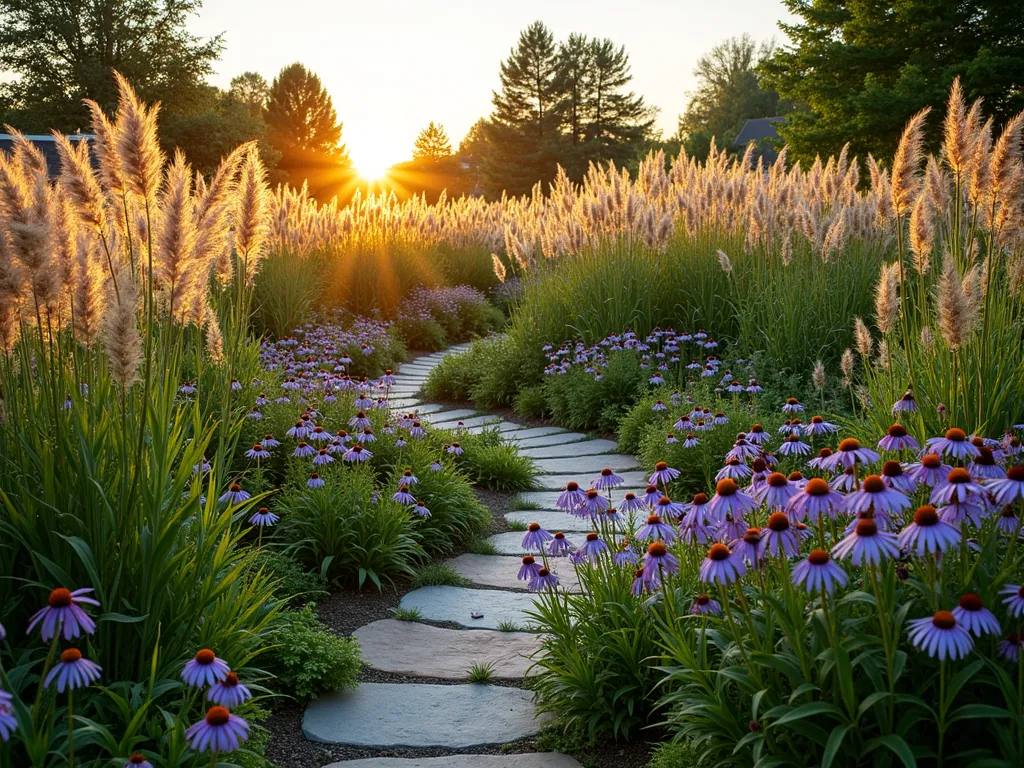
<point>729,92</point>
<point>524,127</point>
<point>251,89</point>
<point>303,126</point>
<point>862,69</point>
<point>64,52</point>
<point>432,144</point>
<point>619,120</point>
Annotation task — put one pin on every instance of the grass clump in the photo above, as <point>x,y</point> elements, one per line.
<point>439,575</point>
<point>509,626</point>
<point>500,468</point>
<point>478,545</point>
<point>406,614</point>
<point>481,673</point>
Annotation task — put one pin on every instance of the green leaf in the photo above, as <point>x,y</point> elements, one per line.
<point>809,710</point>
<point>896,745</point>
<point>835,741</point>
<point>978,711</point>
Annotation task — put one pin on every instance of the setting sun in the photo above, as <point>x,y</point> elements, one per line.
<point>371,162</point>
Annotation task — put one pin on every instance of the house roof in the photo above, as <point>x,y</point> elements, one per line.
<point>47,145</point>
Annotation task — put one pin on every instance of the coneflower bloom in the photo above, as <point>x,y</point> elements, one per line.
<point>722,565</point>
<point>651,495</point>
<point>954,444</point>
<point>729,500</point>
<point>671,439</point>
<point>657,561</point>
<point>402,496</point>
<point>607,479</point>
<point>654,528</point>
<point>219,731</point>
<point>897,439</point>
<point>571,497</point>
<point>359,421</point>
<point>263,517</point>
<point>201,467</point>
<point>229,692</point>
<point>544,579</point>
<point>845,482</point>
<point>742,450</point>
<point>323,456</point>
<point>1009,489</point>
<point>848,455</point>
<point>204,669</point>
<point>408,478</point>
<point>235,495</point>
<point>819,572</point>
<point>535,537</point>
<point>357,453</point>
<point>303,449</point>
<point>420,509</point>
<point>559,546</point>
<point>72,671</point>
<point>823,455</point>
<point>705,606</point>
<point>625,555</point>
<point>875,493</point>
<point>257,452</point>
<point>667,508</point>
<point>696,512</point>
<point>455,449</point>
<point>663,474</point>
<point>528,569</point>
<point>1014,601</point>
<point>929,471</point>
<point>780,540</point>
<point>866,544</point>
<point>593,546</point>
<point>776,491</point>
<point>319,435</point>
<point>940,635</point>
<point>894,477</point>
<point>1009,649</point>
<point>958,488</point>
<point>973,616</point>
<point>749,547</point>
<point>593,504</point>
<point>792,405</point>
<point>734,469</point>
<point>659,406</point>
<point>905,404</point>
<point>630,503</point>
<point>757,435</point>
<point>315,481</point>
<point>928,533</point>
<point>8,722</point>
<point>269,442</point>
<point>819,426</point>
<point>691,441</point>
<point>63,613</point>
<point>792,446</point>
<point>299,431</point>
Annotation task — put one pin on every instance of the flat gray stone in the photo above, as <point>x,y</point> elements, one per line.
<point>398,403</point>
<point>479,430</point>
<point>500,571</point>
<point>525,760</point>
<point>551,521</point>
<point>455,604</point>
<point>509,426</point>
<point>473,421</point>
<point>587,465</point>
<point>557,482</point>
<point>511,543</point>
<point>416,368</point>
<point>386,715</point>
<point>526,434</point>
<point>559,438</point>
<point>546,500</point>
<point>455,415</point>
<point>567,450</point>
<point>420,650</point>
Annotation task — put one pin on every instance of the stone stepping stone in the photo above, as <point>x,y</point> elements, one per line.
<point>414,378</point>
<point>586,465</point>
<point>414,368</point>
<point>560,438</point>
<point>526,760</point>
<point>442,416</point>
<point>587,448</point>
<point>551,521</point>
<point>509,426</point>
<point>474,421</point>
<point>511,543</point>
<point>500,571</point>
<point>546,500</point>
<point>384,716</point>
<point>420,650</point>
<point>532,432</point>
<point>557,482</point>
<point>480,429</point>
<point>455,604</point>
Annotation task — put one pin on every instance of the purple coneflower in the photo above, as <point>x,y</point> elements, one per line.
<point>848,455</point>
<point>218,731</point>
<point>928,533</point>
<point>420,508</point>
<point>705,606</point>
<point>780,540</point>
<point>1010,488</point>
<point>607,479</point>
<point>819,572</point>
<point>894,477</point>
<point>455,449</point>
<point>663,474</point>
<point>657,561</point>
<point>659,406</point>
<point>866,544</point>
<point>257,452</point>
<point>8,722</point>
<point>697,512</point>
<point>654,528</point>
<point>667,508</point>
<point>62,612</point>
<point>315,481</point>
<point>229,692</point>
<point>322,457</point>
<point>359,421</point>
<point>757,435</point>
<point>299,431</point>
<point>528,569</point>
<point>954,443</point>
<point>671,439</point>
<point>691,441</point>
<point>269,442</point>
<point>263,517</point>
<point>651,495</point>
<point>905,404</point>
<point>985,467</point>
<point>1008,521</point>
<point>792,405</point>
<point>823,455</point>
<point>729,500</point>
<point>929,471</point>
<point>571,497</point>
<point>735,469</point>
<point>408,478</point>
<point>742,450</point>
<point>776,491</point>
<point>818,426</point>
<point>319,435</point>
<point>897,439</point>
<point>235,495</point>
<point>640,583</point>
<point>940,635</point>
<point>592,547</point>
<point>875,493</point>
<point>204,669</point>
<point>544,579</point>
<point>402,496</point>
<point>303,449</point>
<point>593,504</point>
<point>1014,601</point>
<point>1009,648</point>
<point>721,566</point>
<point>72,671</point>
<point>958,488</point>
<point>972,615</point>
<point>793,446</point>
<point>535,537</point>
<point>630,503</point>
<point>357,454</point>
<point>749,546</point>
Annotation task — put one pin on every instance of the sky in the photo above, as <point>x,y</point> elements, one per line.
<point>392,66</point>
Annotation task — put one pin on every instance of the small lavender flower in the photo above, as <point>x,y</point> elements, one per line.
<point>528,569</point>
<point>420,508</point>
<point>357,454</point>
<point>940,635</point>
<point>722,565</point>
<point>928,533</point>
<point>1014,601</point>
<point>544,579</point>
<point>705,606</point>
<point>455,449</point>
<point>905,404</point>
<point>235,495</point>
<point>607,479</point>
<point>663,474</point>
<point>229,693</point>
<point>972,615</point>
<point>8,722</point>
<point>954,444</point>
<point>63,612</point>
<point>263,517</point>
<point>897,439</point>
<point>315,481</point>
<point>592,547</point>
<point>535,538</point>
<point>866,544</point>
<point>654,528</point>
<point>408,478</point>
<point>819,572</point>
<point>72,671</point>
<point>792,405</point>
<point>257,452</point>
<point>1009,489</point>
<point>657,561</point>
<point>559,546</point>
<point>204,669</point>
<point>220,731</point>
<point>659,406</point>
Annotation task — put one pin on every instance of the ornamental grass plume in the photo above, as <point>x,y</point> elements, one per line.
<point>957,142</point>
<point>251,224</point>
<point>137,146</point>
<point>957,312</point>
<point>78,181</point>
<point>862,338</point>
<point>906,164</point>
<point>104,147</point>
<point>121,338</point>
<point>921,234</point>
<point>887,298</point>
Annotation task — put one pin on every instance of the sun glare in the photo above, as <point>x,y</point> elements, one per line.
<point>370,162</point>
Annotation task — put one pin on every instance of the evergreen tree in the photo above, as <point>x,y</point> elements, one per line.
<point>524,129</point>
<point>863,68</point>
<point>251,89</point>
<point>729,92</point>
<point>619,120</point>
<point>63,52</point>
<point>432,144</point>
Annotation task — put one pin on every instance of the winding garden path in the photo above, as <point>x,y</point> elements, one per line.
<point>459,716</point>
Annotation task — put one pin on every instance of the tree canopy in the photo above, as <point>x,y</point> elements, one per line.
<point>432,144</point>
<point>64,52</point>
<point>864,68</point>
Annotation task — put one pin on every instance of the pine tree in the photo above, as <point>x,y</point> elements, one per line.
<point>620,120</point>
<point>523,131</point>
<point>432,144</point>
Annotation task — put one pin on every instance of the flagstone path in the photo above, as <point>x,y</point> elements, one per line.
<point>457,715</point>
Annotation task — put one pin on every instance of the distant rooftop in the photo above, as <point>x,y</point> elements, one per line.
<point>47,145</point>
<point>762,132</point>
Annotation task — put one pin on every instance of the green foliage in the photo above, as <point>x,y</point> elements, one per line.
<point>509,626</point>
<point>675,754</point>
<point>499,468</point>
<point>438,575</point>
<point>291,581</point>
<point>288,290</point>
<point>308,659</point>
<point>863,70</point>
<point>406,614</point>
<point>481,673</point>
<point>531,402</point>
<point>517,525</point>
<point>432,143</point>
<point>478,545</point>
<point>455,513</point>
<point>422,333</point>
<point>578,400</point>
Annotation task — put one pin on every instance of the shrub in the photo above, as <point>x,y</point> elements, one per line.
<point>531,403</point>
<point>499,468</point>
<point>455,513</point>
<point>438,575</point>
<point>308,659</point>
<point>292,582</point>
<point>454,377</point>
<point>288,290</point>
<point>421,331</point>
<point>579,400</point>
<point>675,755</point>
